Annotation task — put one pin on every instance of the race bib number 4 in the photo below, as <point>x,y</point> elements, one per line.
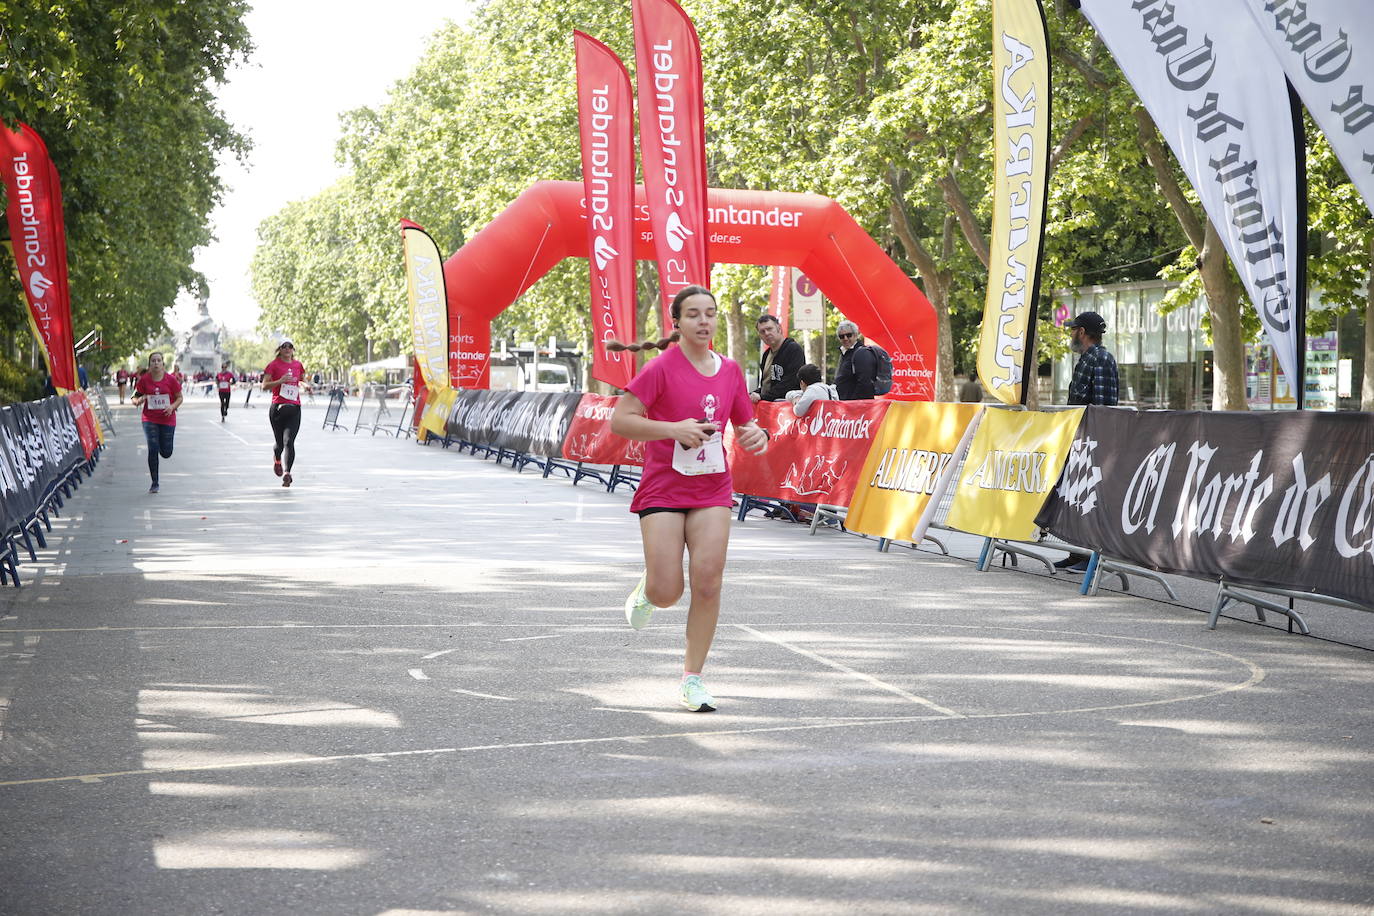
<point>709,459</point>
<point>291,392</point>
<point>159,401</point>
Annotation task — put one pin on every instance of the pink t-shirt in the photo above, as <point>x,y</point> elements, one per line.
<point>277,369</point>
<point>672,389</point>
<point>166,387</point>
<point>224,381</point>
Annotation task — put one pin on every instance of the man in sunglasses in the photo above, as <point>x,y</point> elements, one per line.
<point>855,378</point>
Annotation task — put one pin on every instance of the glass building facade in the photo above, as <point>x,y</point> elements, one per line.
<point>1165,361</point>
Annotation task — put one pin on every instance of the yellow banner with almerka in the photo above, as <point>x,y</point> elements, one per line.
<point>908,468</point>
<point>1021,125</point>
<point>1014,462</point>
<point>428,304</point>
<point>438,407</point>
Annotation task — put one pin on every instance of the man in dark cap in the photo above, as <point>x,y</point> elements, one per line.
<point>1094,382</point>
<point>1094,378</point>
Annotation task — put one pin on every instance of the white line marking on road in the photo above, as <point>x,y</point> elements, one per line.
<point>1257,674</point>
<point>868,678</point>
<point>425,658</point>
<point>148,519</point>
<point>474,693</point>
<point>418,674</point>
<point>226,429</point>
<point>528,638</point>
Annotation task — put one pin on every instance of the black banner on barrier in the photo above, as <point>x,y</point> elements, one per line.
<point>532,422</point>
<point>1285,500</point>
<point>538,423</point>
<point>469,420</point>
<point>39,443</point>
<point>16,499</point>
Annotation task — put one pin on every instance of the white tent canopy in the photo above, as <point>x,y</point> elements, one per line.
<point>393,362</point>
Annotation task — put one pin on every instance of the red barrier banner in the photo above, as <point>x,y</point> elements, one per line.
<point>672,144</point>
<point>590,438</point>
<point>40,246</point>
<point>86,426</point>
<point>605,112</point>
<point>817,458</point>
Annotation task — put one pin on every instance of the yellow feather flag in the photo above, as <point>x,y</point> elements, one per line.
<point>1021,119</point>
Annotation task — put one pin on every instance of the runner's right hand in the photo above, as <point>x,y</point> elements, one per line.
<point>693,433</point>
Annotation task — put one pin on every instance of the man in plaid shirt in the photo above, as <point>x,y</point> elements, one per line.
<point>1094,382</point>
<point>1094,378</point>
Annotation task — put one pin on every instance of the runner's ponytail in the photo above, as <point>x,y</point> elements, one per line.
<point>663,343</point>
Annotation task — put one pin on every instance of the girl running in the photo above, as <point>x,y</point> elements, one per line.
<point>679,405</point>
<point>159,393</point>
<point>224,382</point>
<point>283,377</point>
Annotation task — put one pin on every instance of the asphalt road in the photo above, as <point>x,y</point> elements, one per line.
<point>404,686</point>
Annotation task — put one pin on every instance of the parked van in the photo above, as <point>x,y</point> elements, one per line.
<point>512,376</point>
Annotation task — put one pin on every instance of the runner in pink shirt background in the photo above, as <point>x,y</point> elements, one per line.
<point>679,404</point>
<point>159,394</point>
<point>224,384</point>
<point>283,377</point>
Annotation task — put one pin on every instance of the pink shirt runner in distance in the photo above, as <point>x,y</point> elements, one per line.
<point>672,389</point>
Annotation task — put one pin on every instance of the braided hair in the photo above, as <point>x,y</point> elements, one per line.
<point>615,346</point>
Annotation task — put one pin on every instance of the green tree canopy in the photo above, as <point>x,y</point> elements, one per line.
<point>122,93</point>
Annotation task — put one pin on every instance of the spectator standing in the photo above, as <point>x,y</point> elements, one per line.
<point>971,392</point>
<point>815,390</point>
<point>778,364</point>
<point>158,392</point>
<point>224,383</point>
<point>858,371</point>
<point>1094,381</point>
<point>1094,377</point>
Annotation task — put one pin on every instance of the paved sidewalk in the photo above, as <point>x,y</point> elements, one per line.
<point>404,686</point>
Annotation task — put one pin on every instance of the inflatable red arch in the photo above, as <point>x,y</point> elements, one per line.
<point>546,224</point>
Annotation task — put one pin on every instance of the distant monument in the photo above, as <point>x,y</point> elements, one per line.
<point>201,349</point>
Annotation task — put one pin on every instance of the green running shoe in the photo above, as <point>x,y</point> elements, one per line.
<point>638,609</point>
<point>694,695</point>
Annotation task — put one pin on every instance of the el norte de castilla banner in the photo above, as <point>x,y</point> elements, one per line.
<point>1326,48</point>
<point>1218,96</point>
<point>1276,499</point>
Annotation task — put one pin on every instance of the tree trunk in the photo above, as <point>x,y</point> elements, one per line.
<point>1032,372</point>
<point>734,331</point>
<point>1367,385</point>
<point>937,290</point>
<point>815,350</point>
<point>1223,300</point>
<point>936,283</point>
